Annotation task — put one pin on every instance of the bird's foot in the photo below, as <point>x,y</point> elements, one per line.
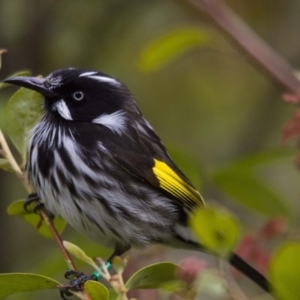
<point>76,284</point>
<point>32,198</point>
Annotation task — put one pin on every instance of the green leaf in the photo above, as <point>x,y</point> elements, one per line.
<point>22,112</point>
<point>153,276</point>
<point>35,220</point>
<point>19,73</point>
<point>284,271</point>
<point>217,230</point>
<point>250,192</point>
<point>80,254</point>
<point>96,290</point>
<point>13,283</point>
<point>17,208</point>
<point>113,295</point>
<point>172,44</point>
<point>5,165</point>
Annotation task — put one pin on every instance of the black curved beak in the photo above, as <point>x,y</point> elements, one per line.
<point>32,83</point>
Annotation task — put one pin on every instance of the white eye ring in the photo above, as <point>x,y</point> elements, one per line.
<point>78,95</point>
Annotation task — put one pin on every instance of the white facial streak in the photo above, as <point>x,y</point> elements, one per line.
<point>87,74</point>
<point>62,108</point>
<point>105,79</point>
<point>115,121</point>
<point>92,75</point>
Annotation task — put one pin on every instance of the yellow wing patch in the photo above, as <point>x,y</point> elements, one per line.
<point>175,185</point>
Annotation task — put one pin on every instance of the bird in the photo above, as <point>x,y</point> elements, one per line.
<point>94,160</point>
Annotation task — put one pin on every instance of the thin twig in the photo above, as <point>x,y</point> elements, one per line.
<point>48,221</point>
<point>256,48</point>
<point>116,281</point>
<point>8,155</point>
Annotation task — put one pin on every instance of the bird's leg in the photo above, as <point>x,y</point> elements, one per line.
<point>119,250</point>
<point>78,282</point>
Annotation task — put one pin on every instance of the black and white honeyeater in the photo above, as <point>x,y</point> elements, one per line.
<point>94,160</point>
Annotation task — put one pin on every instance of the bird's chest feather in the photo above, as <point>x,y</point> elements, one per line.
<point>90,190</point>
<point>71,181</point>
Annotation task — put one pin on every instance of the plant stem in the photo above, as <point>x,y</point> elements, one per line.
<point>256,48</point>
<point>8,155</point>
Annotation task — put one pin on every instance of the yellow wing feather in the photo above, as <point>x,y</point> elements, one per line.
<point>175,185</point>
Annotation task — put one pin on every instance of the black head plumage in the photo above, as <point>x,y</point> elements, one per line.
<point>79,94</point>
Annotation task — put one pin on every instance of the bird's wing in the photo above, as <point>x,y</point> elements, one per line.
<point>173,183</point>
<point>144,156</point>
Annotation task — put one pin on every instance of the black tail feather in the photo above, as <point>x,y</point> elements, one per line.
<point>241,265</point>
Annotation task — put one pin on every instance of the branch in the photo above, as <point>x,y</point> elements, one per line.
<point>271,62</point>
<point>5,151</point>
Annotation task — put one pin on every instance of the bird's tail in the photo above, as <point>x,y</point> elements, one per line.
<point>241,265</point>
<point>235,261</point>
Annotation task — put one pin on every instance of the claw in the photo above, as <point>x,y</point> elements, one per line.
<point>38,206</point>
<point>33,197</point>
<point>72,273</point>
<point>64,292</point>
<point>75,285</point>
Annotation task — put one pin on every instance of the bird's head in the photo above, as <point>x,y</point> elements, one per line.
<point>80,94</point>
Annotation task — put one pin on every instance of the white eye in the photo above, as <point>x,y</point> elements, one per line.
<point>78,95</point>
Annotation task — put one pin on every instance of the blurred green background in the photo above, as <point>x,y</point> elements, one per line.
<point>210,105</point>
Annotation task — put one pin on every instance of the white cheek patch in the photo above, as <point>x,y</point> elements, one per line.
<point>62,108</point>
<point>115,121</point>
